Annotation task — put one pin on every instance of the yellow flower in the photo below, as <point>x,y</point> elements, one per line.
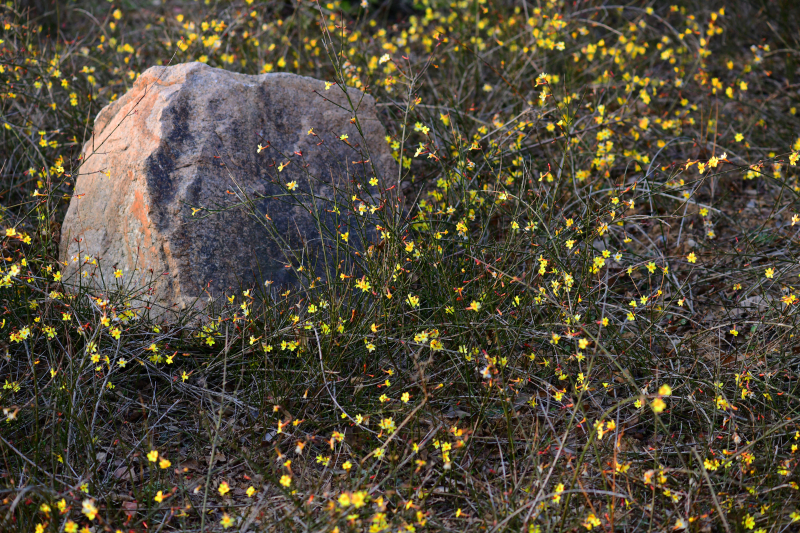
<point>559,490</point>
<point>159,497</point>
<point>344,500</point>
<point>658,405</point>
<point>600,432</point>
<point>286,480</point>
<point>692,258</point>
<point>152,456</point>
<point>71,527</point>
<point>591,521</point>
<point>224,488</point>
<point>89,509</point>
<point>769,273</point>
<point>358,499</point>
<point>250,492</point>
<point>387,424</point>
<point>226,521</point>
<point>292,185</point>
<point>164,464</point>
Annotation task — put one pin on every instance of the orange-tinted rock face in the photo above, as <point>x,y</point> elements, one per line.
<point>170,162</point>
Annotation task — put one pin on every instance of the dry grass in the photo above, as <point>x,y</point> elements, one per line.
<point>583,319</point>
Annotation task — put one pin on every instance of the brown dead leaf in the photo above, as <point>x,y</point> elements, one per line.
<point>191,464</point>
<point>218,458</point>
<point>126,473</point>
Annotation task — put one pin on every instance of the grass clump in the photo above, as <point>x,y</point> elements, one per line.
<point>583,317</point>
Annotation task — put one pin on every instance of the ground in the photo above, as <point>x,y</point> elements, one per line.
<point>583,317</point>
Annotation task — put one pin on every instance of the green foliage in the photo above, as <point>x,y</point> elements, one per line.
<point>582,316</point>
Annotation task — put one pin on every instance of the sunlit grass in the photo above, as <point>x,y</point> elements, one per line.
<point>582,318</point>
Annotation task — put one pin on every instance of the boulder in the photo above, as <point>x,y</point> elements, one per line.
<point>200,182</point>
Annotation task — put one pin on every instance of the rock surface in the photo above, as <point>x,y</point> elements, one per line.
<point>159,196</point>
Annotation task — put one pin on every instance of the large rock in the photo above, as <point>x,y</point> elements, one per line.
<point>170,162</point>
